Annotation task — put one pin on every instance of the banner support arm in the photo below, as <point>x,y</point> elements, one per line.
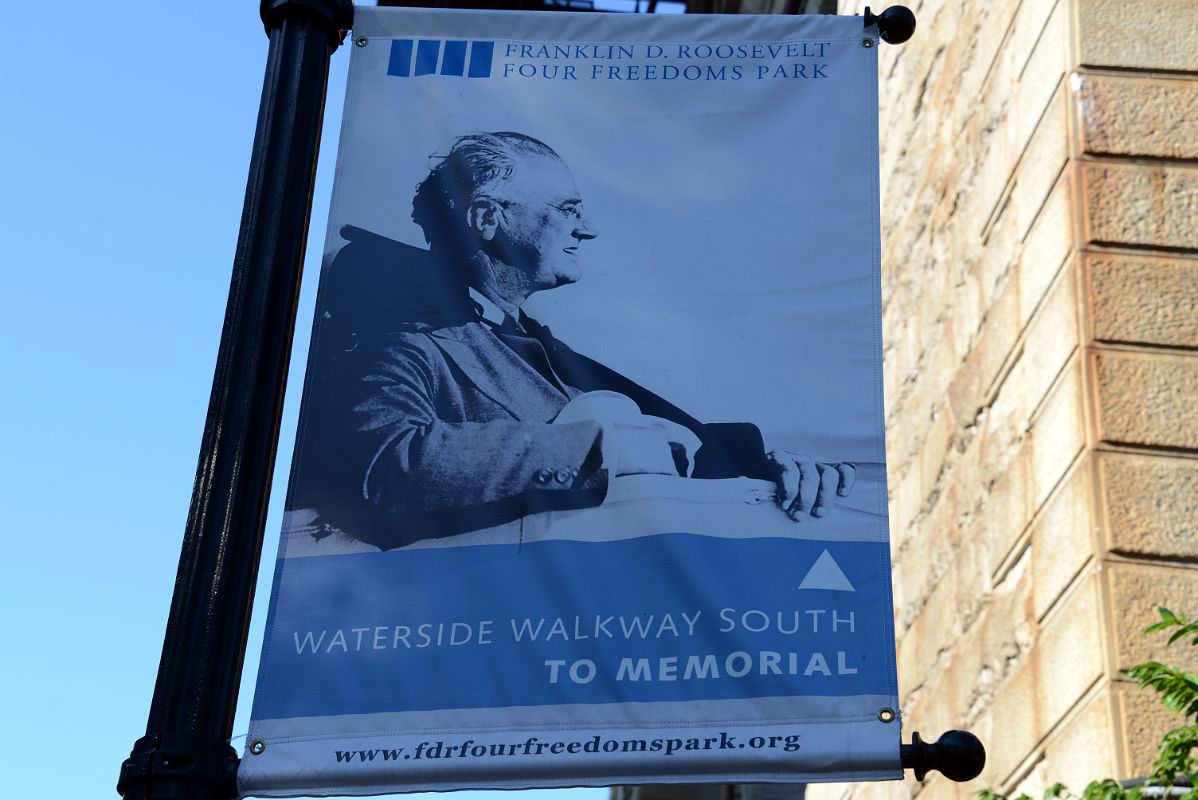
<point>185,754</point>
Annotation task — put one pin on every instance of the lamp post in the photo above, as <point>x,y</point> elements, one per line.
<point>185,753</point>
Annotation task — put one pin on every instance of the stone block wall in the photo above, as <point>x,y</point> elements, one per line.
<point>1040,276</point>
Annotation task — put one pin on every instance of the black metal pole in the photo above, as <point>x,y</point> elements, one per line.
<point>185,754</point>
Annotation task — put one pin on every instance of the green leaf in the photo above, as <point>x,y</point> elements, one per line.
<point>1176,756</point>
<point>1185,626</point>
<point>1106,789</point>
<point>1055,791</point>
<point>1168,620</point>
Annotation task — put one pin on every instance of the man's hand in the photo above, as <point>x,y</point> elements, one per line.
<point>807,487</point>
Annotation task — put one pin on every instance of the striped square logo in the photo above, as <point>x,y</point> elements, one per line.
<point>415,57</point>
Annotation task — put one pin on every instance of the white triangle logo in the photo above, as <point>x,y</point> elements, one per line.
<point>826,574</point>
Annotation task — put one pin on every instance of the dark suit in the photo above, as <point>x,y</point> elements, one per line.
<point>431,429</point>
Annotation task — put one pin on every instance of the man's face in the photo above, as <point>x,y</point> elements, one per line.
<point>543,224</point>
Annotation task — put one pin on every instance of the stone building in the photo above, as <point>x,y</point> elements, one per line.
<point>1039,164</point>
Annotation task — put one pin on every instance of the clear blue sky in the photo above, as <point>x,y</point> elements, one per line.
<point>123,154</point>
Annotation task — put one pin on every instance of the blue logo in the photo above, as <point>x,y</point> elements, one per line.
<point>415,57</point>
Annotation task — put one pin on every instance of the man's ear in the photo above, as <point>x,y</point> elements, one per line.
<point>482,217</point>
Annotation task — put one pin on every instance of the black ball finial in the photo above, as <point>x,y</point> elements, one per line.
<point>895,25</point>
<point>958,755</point>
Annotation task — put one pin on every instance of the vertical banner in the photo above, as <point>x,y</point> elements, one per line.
<point>589,486</point>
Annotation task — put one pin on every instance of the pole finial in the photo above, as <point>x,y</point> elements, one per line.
<point>895,25</point>
<point>958,755</point>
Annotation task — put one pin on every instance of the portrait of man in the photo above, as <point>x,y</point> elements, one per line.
<point>437,405</point>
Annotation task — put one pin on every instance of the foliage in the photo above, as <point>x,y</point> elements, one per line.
<point>1176,760</point>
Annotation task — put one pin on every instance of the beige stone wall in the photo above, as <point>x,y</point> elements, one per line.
<point>1040,268</point>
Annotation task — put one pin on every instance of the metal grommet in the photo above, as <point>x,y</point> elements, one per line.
<point>361,41</point>
<point>884,715</point>
<point>257,747</point>
<point>866,42</point>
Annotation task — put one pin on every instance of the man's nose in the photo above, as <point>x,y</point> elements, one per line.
<point>583,229</point>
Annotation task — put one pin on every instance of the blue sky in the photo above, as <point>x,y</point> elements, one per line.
<point>123,156</point>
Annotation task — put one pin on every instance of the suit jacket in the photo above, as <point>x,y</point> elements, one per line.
<point>433,429</point>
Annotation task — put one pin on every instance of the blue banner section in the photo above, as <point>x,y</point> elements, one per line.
<point>668,617</point>
<point>481,55</point>
<point>400,62</point>
<point>454,60</point>
<point>427,53</point>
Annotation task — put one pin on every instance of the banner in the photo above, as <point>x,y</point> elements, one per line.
<point>589,485</point>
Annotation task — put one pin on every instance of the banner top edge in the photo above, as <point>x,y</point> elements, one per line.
<point>407,22</point>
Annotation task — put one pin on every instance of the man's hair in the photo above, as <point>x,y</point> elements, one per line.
<point>475,163</point>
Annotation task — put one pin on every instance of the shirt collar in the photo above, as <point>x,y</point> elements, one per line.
<point>491,312</point>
